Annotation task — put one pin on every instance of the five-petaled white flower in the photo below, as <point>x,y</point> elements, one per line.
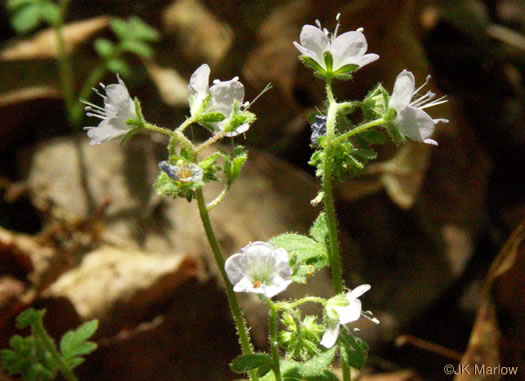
<point>347,49</point>
<point>224,94</point>
<point>260,268</point>
<point>118,109</point>
<point>411,120</point>
<point>183,172</point>
<point>342,312</point>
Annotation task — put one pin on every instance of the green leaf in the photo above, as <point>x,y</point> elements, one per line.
<point>104,47</point>
<point>120,28</point>
<point>319,230</point>
<point>12,5</point>
<point>246,363</point>
<point>74,344</point>
<point>26,18</point>
<point>355,350</point>
<point>30,317</point>
<point>137,47</point>
<point>142,30</point>
<point>50,12</point>
<point>306,254</point>
<point>317,364</point>
<point>119,66</point>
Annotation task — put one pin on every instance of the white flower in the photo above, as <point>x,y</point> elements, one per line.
<point>342,314</point>
<point>183,172</point>
<point>118,109</point>
<point>259,268</point>
<point>346,49</point>
<point>411,120</point>
<point>224,94</point>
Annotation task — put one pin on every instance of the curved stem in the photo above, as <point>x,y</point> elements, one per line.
<point>176,135</point>
<point>312,299</point>
<point>183,126</point>
<point>359,129</point>
<point>219,198</point>
<point>240,323</point>
<point>215,138</point>
<point>274,343</point>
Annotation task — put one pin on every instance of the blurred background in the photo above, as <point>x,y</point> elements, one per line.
<point>83,234</point>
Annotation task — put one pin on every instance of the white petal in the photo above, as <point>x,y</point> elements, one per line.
<point>239,130</point>
<point>104,132</point>
<point>234,267</point>
<point>349,313</point>
<point>117,95</point>
<point>415,123</point>
<point>224,93</point>
<point>245,285</point>
<point>331,334</point>
<point>403,90</point>
<point>358,291</point>
<point>278,285</point>
<point>348,48</point>
<point>198,86</point>
<point>366,59</point>
<point>314,39</point>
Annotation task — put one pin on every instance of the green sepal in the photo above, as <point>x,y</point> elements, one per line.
<point>310,62</point>
<point>355,350</point>
<point>344,71</point>
<point>247,363</point>
<point>329,62</point>
<point>233,163</point>
<point>397,137</point>
<point>50,12</point>
<point>211,117</point>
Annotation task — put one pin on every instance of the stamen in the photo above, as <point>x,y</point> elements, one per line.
<point>95,115</point>
<point>92,105</point>
<point>336,26</point>
<point>102,85</point>
<point>235,78</point>
<point>368,315</point>
<point>361,30</point>
<point>318,23</point>
<point>423,99</point>
<point>338,16</point>
<point>98,92</point>
<point>266,88</point>
<point>215,81</point>
<point>436,102</point>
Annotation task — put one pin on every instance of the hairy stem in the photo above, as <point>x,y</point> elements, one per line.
<point>329,204</point>
<point>240,323</point>
<point>274,343</point>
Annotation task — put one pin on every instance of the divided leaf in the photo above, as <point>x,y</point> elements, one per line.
<point>74,344</point>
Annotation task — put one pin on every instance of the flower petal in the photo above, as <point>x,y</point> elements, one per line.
<point>349,313</point>
<point>403,90</point>
<point>315,41</point>
<point>366,59</point>
<point>105,132</point>
<point>358,291</point>
<point>278,285</point>
<point>224,93</point>
<point>330,335</point>
<point>415,124</point>
<point>234,267</point>
<point>198,86</point>
<point>348,48</point>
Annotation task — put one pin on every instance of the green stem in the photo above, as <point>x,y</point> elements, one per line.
<point>219,198</point>
<point>176,135</point>
<point>210,141</point>
<point>183,126</point>
<point>359,129</point>
<point>312,299</point>
<point>64,65</point>
<point>49,346</point>
<point>329,205</point>
<point>240,323</point>
<point>274,343</point>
